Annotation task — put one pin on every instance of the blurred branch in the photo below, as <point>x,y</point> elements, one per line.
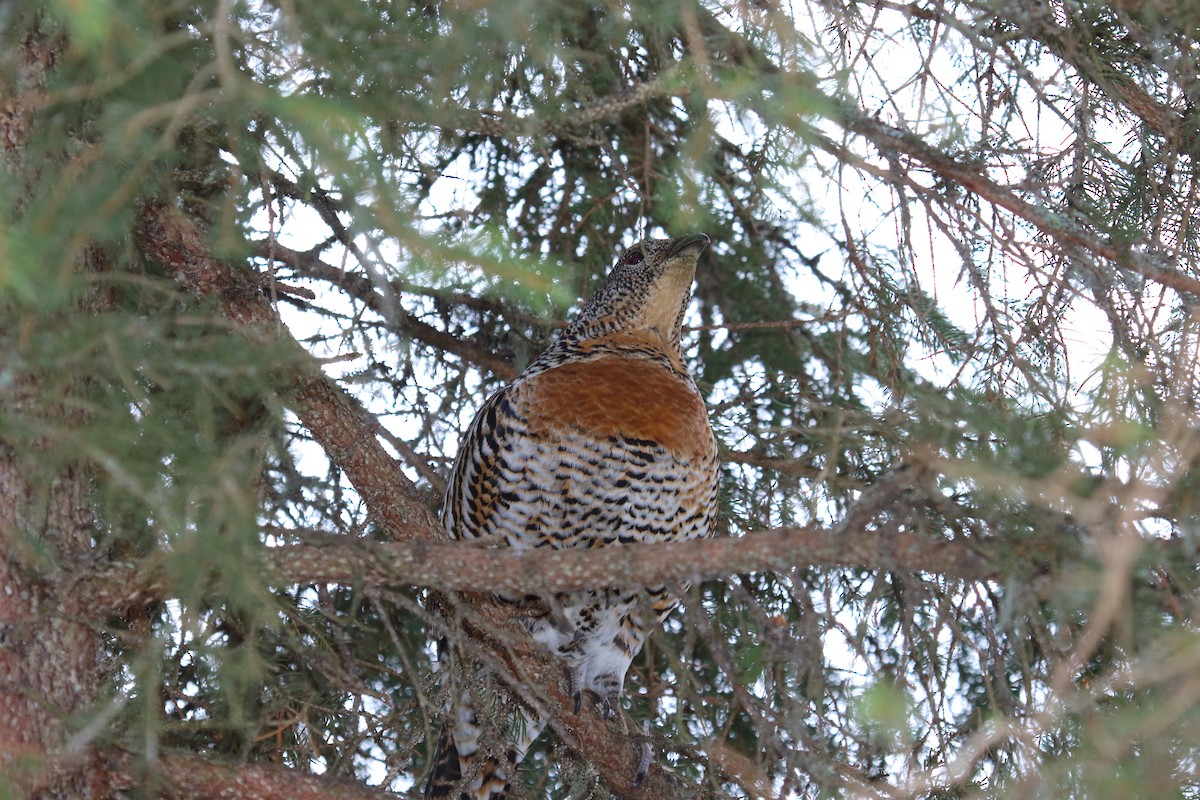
<point>765,325</point>
<point>189,777</point>
<point>564,125</point>
<point>790,466</point>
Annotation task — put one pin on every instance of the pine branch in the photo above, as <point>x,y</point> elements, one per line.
<point>189,777</point>
<point>459,566</point>
<point>337,421</point>
<point>900,142</point>
<point>1038,22</point>
<point>1176,125</point>
<point>895,141</point>
<point>361,287</point>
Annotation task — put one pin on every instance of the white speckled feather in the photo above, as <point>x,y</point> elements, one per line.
<point>603,439</point>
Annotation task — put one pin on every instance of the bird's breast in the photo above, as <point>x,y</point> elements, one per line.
<point>626,398</point>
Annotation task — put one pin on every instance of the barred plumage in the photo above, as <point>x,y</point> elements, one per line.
<point>604,438</point>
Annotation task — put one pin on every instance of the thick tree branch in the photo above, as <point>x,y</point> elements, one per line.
<point>528,668</point>
<point>457,566</point>
<point>336,420</point>
<point>189,777</point>
<point>49,666</point>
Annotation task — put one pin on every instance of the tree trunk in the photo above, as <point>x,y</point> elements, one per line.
<point>49,663</point>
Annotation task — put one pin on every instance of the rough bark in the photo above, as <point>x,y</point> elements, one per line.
<point>180,776</point>
<point>49,663</point>
<point>462,567</point>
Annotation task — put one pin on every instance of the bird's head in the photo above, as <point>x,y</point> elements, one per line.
<point>647,290</point>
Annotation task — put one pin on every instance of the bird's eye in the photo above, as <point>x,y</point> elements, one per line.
<point>634,256</point>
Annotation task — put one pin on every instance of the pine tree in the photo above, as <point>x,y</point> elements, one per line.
<point>261,261</point>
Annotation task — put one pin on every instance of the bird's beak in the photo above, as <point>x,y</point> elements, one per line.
<point>692,244</point>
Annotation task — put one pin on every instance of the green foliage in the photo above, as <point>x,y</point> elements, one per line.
<point>459,177</point>
<point>884,710</point>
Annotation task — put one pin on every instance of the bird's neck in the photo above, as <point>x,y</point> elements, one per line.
<point>643,343</point>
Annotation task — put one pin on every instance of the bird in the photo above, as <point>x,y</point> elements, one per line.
<point>603,438</point>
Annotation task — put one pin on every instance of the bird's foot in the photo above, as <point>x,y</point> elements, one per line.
<point>575,686</point>
<point>608,707</point>
<point>645,754</point>
<point>607,688</point>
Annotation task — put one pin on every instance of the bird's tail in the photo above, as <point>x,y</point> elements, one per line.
<point>462,771</point>
<point>446,779</point>
<point>446,773</point>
